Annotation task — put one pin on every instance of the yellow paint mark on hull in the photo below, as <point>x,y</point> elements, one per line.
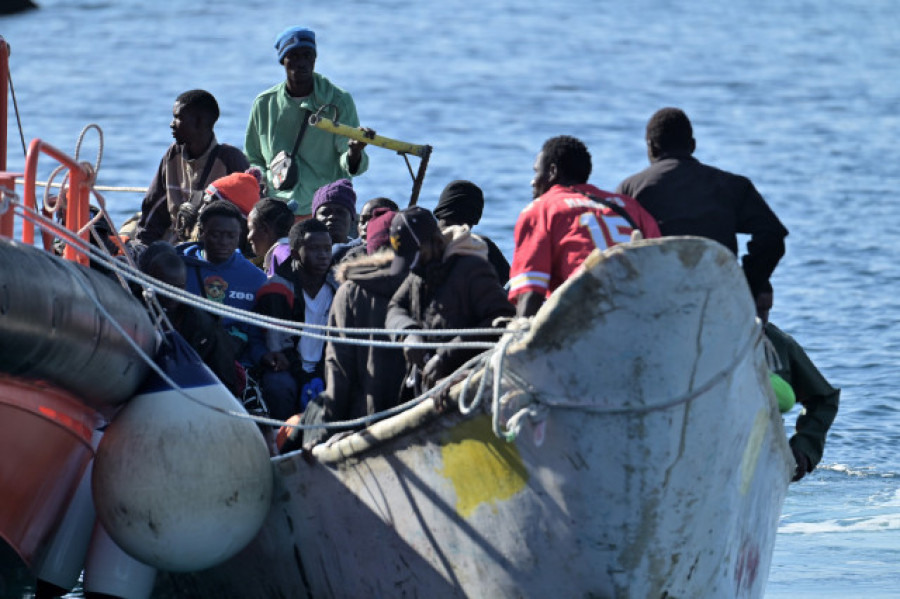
<point>754,445</point>
<point>481,467</point>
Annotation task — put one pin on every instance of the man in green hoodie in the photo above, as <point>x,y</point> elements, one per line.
<point>276,125</point>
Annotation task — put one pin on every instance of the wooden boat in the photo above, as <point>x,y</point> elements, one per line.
<point>649,460</point>
<point>632,448</point>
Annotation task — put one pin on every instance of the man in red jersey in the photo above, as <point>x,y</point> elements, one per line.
<point>567,219</point>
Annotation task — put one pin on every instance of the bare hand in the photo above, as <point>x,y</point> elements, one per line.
<point>355,148</point>
<point>415,354</point>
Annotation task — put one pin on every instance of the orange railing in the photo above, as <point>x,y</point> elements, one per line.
<point>4,99</point>
<point>77,192</point>
<point>77,196</point>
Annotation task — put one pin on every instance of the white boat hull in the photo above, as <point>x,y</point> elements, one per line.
<point>654,463</point>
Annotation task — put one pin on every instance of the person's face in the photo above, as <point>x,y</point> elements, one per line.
<point>259,234</point>
<point>220,236</point>
<point>186,124</point>
<point>544,176</point>
<point>336,219</point>
<point>299,64</point>
<point>365,215</point>
<point>314,253</point>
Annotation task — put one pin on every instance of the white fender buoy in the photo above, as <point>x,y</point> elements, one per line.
<point>111,571</point>
<point>177,485</point>
<point>62,559</point>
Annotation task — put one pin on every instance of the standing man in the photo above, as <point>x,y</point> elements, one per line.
<point>687,197</point>
<point>567,219</point>
<point>277,125</point>
<point>191,163</point>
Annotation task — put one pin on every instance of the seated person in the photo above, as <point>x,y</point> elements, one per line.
<point>218,271</point>
<point>359,380</point>
<point>200,329</point>
<point>268,226</point>
<point>371,209</point>
<point>188,166</point>
<point>301,290</point>
<point>462,203</point>
<point>450,285</point>
<point>335,205</point>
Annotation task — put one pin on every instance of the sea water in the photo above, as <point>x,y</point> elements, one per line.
<point>802,97</point>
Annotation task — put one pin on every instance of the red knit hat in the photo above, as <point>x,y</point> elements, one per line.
<point>241,189</point>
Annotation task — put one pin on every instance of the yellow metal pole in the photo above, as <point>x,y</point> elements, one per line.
<point>401,147</point>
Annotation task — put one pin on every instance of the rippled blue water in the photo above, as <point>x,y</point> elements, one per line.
<point>801,96</point>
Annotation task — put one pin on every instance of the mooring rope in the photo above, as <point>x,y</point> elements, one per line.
<point>541,402</point>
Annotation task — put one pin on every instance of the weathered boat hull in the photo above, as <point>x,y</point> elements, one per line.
<point>653,463</point>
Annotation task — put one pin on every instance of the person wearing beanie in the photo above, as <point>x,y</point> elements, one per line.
<point>450,285</point>
<point>462,203</point>
<point>370,210</point>
<point>193,160</point>
<point>356,248</point>
<point>379,232</point>
<point>241,189</point>
<point>335,205</point>
<point>277,116</point>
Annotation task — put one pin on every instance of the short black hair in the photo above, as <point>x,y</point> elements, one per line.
<point>571,157</point>
<point>157,251</point>
<point>382,202</point>
<point>669,129</point>
<point>203,101</point>
<point>220,208</point>
<point>299,230</point>
<point>276,214</point>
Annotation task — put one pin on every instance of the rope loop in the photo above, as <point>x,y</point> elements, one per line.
<point>315,118</point>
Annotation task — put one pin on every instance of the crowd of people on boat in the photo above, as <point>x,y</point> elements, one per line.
<point>276,228</point>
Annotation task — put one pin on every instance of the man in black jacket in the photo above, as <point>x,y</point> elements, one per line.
<point>450,285</point>
<point>462,203</point>
<point>687,197</point>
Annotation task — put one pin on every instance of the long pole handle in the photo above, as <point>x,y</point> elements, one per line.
<point>398,146</point>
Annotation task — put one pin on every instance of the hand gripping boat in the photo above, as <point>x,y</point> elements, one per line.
<point>640,454</point>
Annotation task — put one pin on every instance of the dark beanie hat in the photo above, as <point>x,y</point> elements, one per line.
<point>378,231</point>
<point>461,202</point>
<point>340,192</point>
